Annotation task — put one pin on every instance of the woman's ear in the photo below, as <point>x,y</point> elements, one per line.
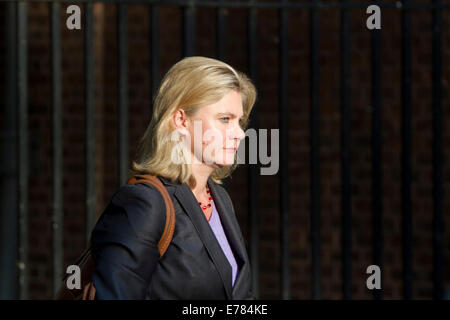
<point>180,122</point>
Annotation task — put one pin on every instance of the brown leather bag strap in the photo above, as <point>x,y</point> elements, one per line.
<point>89,291</point>
<point>167,235</point>
<point>86,261</point>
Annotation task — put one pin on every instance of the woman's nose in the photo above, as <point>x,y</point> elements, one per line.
<point>240,134</point>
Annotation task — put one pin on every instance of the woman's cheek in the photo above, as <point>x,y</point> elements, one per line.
<point>211,143</point>
<point>211,137</point>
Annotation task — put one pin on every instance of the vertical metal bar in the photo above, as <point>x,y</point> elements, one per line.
<point>284,152</point>
<point>253,177</point>
<point>122,41</point>
<point>406,152</point>
<point>89,101</point>
<point>315,159</point>
<point>9,187</point>
<point>22,126</point>
<point>154,51</point>
<point>438,223</point>
<point>189,29</point>
<point>345,154</point>
<point>376,142</point>
<point>57,216</point>
<point>220,31</point>
<point>221,42</point>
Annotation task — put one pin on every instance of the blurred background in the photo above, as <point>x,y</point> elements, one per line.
<point>364,135</point>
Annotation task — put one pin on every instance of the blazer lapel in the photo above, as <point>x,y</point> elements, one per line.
<point>189,203</point>
<point>231,227</point>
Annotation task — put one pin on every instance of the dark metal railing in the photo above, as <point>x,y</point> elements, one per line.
<point>283,66</point>
<point>9,204</point>
<point>269,4</point>
<point>376,144</point>
<point>17,23</point>
<point>122,89</point>
<point>89,68</point>
<point>57,143</point>
<point>345,155</point>
<point>253,174</point>
<point>406,153</point>
<point>315,157</point>
<point>22,148</point>
<point>438,221</point>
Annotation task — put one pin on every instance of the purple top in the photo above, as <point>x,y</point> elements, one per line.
<point>217,228</point>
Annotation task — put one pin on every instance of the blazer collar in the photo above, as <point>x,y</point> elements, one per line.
<point>167,182</point>
<point>189,203</point>
<point>231,227</point>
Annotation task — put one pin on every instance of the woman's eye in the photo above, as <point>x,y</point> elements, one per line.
<point>225,119</point>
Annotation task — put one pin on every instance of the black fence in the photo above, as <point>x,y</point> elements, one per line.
<point>16,99</point>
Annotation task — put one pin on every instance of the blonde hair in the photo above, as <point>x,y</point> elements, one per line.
<point>190,84</point>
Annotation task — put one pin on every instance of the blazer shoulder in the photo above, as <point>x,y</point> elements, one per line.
<point>144,208</point>
<point>138,191</point>
<point>125,240</point>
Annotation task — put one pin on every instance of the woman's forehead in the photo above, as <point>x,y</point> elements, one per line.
<point>231,103</point>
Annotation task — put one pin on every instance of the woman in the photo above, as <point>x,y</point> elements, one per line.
<point>199,115</point>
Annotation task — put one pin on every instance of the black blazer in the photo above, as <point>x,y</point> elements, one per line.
<point>194,266</point>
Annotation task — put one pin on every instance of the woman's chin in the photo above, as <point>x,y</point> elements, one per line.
<point>219,164</point>
<point>225,164</point>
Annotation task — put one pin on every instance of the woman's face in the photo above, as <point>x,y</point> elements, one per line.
<point>215,131</point>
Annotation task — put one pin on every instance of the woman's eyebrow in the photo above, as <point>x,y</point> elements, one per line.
<point>232,115</point>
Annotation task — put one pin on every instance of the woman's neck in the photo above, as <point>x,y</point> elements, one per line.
<point>201,173</point>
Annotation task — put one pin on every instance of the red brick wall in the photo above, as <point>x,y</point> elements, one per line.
<point>299,137</point>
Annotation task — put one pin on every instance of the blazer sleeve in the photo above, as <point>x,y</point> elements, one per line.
<point>125,241</point>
